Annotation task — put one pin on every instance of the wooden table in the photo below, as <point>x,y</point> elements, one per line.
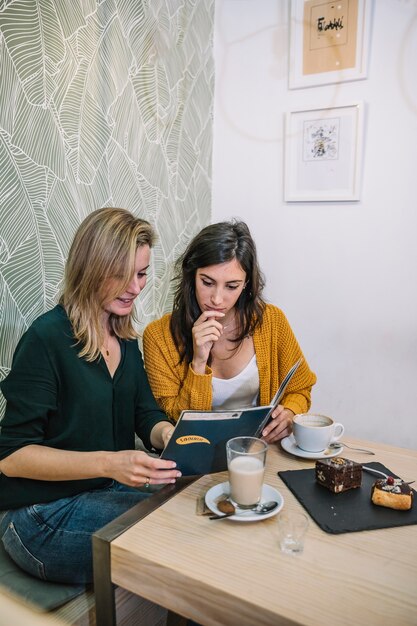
<point>230,573</point>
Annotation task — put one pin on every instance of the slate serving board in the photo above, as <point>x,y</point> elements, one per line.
<point>349,511</point>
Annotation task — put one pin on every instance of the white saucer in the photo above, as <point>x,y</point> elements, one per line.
<point>290,446</point>
<point>268,493</point>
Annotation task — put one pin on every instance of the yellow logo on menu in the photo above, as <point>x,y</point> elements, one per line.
<point>183,441</point>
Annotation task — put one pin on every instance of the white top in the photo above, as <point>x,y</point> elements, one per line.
<point>241,391</point>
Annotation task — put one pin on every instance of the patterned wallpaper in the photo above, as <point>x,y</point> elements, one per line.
<point>102,103</point>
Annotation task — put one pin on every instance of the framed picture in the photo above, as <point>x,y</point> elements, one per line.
<point>328,41</point>
<point>323,154</point>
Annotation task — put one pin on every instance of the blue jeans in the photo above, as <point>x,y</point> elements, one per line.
<point>52,541</point>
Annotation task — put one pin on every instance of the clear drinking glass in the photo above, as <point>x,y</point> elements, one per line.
<point>292,527</point>
<point>246,464</point>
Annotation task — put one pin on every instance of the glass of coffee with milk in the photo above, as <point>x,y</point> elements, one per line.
<point>246,458</point>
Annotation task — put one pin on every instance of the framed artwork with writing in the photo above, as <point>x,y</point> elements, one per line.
<point>323,154</point>
<point>329,41</point>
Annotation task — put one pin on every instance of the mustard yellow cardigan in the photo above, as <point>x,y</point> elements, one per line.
<point>177,387</point>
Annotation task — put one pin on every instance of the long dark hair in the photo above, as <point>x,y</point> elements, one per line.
<point>216,243</point>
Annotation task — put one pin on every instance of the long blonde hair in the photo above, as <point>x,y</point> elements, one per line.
<point>100,266</point>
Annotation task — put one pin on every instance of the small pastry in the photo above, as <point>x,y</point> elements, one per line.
<point>393,493</point>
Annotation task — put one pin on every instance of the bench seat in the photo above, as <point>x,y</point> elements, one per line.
<point>74,604</point>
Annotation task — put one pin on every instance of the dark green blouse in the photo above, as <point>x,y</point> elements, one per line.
<point>56,399</point>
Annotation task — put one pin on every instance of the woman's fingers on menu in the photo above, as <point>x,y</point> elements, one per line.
<point>162,471</point>
<point>161,475</point>
<point>280,426</point>
<point>136,468</point>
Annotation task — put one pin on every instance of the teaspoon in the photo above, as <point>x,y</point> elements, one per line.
<point>260,509</point>
<point>336,445</point>
<point>374,471</point>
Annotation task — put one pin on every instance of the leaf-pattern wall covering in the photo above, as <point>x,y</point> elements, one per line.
<point>102,103</point>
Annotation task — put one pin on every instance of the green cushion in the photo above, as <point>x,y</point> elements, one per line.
<point>45,595</point>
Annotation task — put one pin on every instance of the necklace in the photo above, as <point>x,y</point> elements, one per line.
<point>230,323</point>
<point>105,347</point>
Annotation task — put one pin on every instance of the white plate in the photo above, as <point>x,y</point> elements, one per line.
<point>290,446</point>
<point>268,493</point>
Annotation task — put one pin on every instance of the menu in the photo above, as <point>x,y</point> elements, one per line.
<point>198,443</point>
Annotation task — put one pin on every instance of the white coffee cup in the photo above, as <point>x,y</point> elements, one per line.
<point>314,432</point>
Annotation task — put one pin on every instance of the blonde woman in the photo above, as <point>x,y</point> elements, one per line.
<point>76,394</point>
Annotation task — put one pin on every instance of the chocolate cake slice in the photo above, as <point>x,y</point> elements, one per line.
<point>338,474</point>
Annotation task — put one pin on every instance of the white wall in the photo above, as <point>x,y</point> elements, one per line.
<point>344,273</point>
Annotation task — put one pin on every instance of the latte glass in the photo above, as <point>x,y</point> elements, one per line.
<point>246,464</point>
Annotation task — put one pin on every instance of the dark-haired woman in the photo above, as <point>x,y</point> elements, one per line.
<point>223,347</point>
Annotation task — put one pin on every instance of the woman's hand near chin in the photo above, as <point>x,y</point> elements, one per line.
<point>206,331</point>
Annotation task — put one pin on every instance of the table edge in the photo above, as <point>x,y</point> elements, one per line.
<point>101,543</point>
